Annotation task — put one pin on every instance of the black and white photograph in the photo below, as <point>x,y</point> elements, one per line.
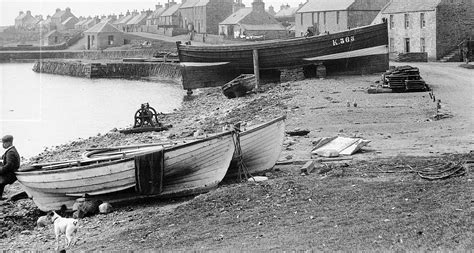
<point>237,125</point>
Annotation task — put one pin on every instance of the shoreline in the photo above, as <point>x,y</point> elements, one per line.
<point>374,196</point>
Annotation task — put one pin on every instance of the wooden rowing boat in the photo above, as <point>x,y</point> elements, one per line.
<point>277,54</point>
<point>239,86</point>
<point>188,168</point>
<point>260,146</point>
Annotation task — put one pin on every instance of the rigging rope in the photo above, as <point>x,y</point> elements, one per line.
<point>242,168</point>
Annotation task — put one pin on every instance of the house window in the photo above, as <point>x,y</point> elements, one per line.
<point>92,40</point>
<point>392,45</point>
<point>392,22</point>
<point>312,18</point>
<point>422,20</point>
<point>407,45</point>
<point>407,21</point>
<point>301,18</point>
<point>422,45</point>
<point>324,17</point>
<point>56,39</point>
<point>110,40</point>
<point>337,17</point>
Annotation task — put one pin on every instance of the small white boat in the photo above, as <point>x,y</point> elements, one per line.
<point>188,168</point>
<point>261,147</point>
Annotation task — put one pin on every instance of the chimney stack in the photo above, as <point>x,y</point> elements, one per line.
<point>258,6</point>
<point>58,10</point>
<point>21,13</point>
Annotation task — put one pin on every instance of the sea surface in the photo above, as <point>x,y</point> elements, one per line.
<point>44,110</point>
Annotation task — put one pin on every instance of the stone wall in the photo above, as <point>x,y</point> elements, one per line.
<point>454,23</point>
<point>92,55</point>
<point>129,70</point>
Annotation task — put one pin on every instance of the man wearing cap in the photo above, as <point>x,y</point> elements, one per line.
<point>11,163</point>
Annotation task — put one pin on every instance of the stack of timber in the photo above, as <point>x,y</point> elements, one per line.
<point>412,57</point>
<point>239,86</point>
<point>404,78</point>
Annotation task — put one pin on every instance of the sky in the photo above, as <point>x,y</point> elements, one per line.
<point>9,9</point>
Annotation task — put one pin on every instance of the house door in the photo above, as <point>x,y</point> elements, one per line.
<point>407,45</point>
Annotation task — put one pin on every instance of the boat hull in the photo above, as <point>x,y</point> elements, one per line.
<point>261,147</point>
<point>188,169</point>
<point>293,52</point>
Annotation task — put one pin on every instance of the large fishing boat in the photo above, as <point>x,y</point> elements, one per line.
<point>364,41</point>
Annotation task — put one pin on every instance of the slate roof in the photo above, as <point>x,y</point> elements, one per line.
<point>67,20</point>
<point>201,3</point>
<point>396,6</point>
<point>126,19</point>
<point>287,12</point>
<point>137,19</point>
<point>326,5</point>
<point>264,27</point>
<point>189,4</point>
<point>58,14</point>
<point>50,33</point>
<point>20,17</point>
<point>82,22</point>
<point>157,13</point>
<point>236,17</point>
<point>103,28</point>
<point>171,10</point>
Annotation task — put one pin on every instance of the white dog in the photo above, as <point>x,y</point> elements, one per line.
<point>67,226</point>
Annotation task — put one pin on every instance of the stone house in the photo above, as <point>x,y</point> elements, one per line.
<point>102,36</point>
<point>170,21</point>
<point>332,16</point>
<point>25,21</point>
<point>121,23</point>
<point>432,26</point>
<point>204,16</point>
<point>135,24</point>
<point>86,23</point>
<point>45,25</point>
<point>52,38</point>
<point>68,24</point>
<point>286,15</point>
<point>60,16</point>
<point>252,22</point>
<point>153,18</point>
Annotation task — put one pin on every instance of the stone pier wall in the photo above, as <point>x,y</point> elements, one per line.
<point>129,70</point>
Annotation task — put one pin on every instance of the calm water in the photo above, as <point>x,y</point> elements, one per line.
<point>43,110</point>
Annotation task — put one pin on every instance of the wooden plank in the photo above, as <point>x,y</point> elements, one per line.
<point>256,68</point>
<point>307,167</point>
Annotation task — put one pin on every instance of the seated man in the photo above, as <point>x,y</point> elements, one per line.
<point>11,163</point>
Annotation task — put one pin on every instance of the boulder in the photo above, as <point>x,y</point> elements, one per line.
<point>105,208</point>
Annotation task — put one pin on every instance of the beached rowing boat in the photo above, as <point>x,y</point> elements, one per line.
<point>187,168</point>
<point>356,43</point>
<point>260,146</point>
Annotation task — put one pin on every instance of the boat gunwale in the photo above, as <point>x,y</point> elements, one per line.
<point>40,171</point>
<point>264,125</point>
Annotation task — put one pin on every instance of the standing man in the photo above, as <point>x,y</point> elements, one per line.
<point>11,163</point>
